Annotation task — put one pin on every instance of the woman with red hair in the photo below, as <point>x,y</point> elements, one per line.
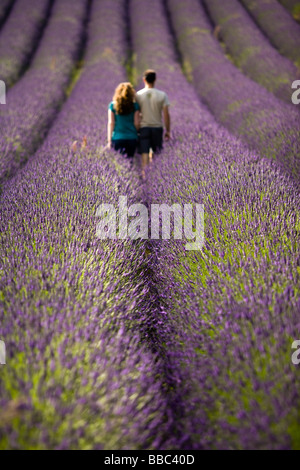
<point>123,120</point>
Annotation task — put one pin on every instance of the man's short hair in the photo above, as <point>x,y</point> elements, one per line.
<point>150,76</point>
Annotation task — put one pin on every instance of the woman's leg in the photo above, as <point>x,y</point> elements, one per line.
<point>119,146</point>
<point>130,148</point>
<point>125,147</point>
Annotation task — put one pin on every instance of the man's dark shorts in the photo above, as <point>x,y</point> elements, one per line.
<point>151,137</point>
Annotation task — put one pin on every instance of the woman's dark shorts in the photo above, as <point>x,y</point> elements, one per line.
<point>125,147</point>
<point>151,137</point>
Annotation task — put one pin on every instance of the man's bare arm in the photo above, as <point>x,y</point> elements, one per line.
<point>167,121</point>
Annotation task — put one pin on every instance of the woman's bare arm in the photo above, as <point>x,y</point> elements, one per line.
<point>167,121</point>
<point>137,120</point>
<point>110,126</point>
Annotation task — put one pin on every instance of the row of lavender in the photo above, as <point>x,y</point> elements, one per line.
<point>77,375</point>
<point>235,304</point>
<point>231,308</point>
<point>277,24</point>
<point>250,49</point>
<point>243,106</point>
<point>33,102</point>
<point>19,37</point>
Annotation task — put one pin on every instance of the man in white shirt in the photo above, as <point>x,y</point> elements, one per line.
<point>154,106</point>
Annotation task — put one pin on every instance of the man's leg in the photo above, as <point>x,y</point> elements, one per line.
<point>145,162</point>
<point>156,140</point>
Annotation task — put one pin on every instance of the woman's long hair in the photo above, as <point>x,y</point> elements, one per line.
<point>124,98</point>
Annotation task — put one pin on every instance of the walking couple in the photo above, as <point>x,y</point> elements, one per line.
<point>135,120</point>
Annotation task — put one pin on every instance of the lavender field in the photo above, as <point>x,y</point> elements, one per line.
<point>139,344</point>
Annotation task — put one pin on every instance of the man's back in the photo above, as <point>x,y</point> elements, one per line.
<point>152,102</point>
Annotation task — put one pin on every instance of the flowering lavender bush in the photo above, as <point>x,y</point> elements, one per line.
<point>17,43</point>
<point>277,24</point>
<point>77,375</point>
<point>247,109</point>
<point>33,102</point>
<point>249,48</point>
